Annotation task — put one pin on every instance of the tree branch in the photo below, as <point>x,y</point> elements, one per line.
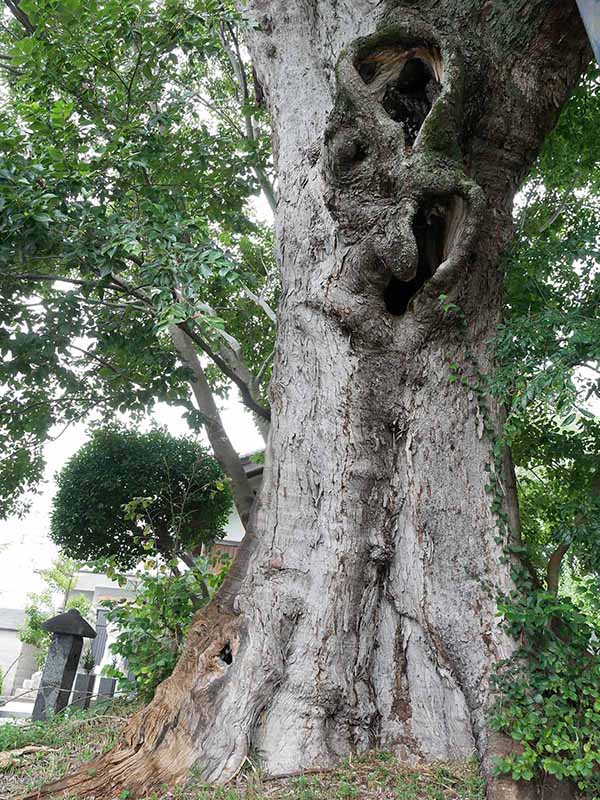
<point>103,362</point>
<point>237,65</point>
<point>43,276</point>
<point>555,562</point>
<point>231,355</point>
<point>261,302</point>
<point>132,78</point>
<point>223,449</point>
<point>558,211</point>
<point>247,398</point>
<point>21,16</point>
<point>9,68</point>
<point>263,367</point>
<point>554,565</point>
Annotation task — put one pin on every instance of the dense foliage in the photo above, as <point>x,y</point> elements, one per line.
<point>548,692</point>
<point>152,627</point>
<point>185,498</point>
<point>548,346</point>
<point>548,378</point>
<point>124,208</point>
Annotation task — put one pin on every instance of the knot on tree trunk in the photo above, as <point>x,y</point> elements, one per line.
<point>392,163</point>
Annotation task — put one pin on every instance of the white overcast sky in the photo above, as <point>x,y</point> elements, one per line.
<point>27,545</point>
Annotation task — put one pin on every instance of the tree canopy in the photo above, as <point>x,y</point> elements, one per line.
<point>125,493</point>
<point>547,347</point>
<point>124,210</point>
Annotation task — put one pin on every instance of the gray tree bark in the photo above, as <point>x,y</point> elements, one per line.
<point>225,453</point>
<point>360,611</point>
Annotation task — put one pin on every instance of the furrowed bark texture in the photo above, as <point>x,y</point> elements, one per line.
<point>360,611</point>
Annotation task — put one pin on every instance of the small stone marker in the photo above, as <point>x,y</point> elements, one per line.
<point>68,631</point>
<point>83,690</point>
<point>106,688</point>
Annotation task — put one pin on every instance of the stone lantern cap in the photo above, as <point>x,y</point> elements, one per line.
<point>71,623</point>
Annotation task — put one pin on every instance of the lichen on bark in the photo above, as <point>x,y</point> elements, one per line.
<point>381,182</point>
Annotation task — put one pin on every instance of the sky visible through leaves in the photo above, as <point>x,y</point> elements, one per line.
<point>28,546</point>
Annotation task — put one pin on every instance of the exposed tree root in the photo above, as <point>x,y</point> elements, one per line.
<point>198,719</point>
<point>157,747</point>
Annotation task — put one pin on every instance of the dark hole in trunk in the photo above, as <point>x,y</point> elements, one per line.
<point>408,98</point>
<point>367,71</point>
<point>429,228</point>
<point>226,655</point>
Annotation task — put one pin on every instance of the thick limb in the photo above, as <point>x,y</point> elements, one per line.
<point>224,451</point>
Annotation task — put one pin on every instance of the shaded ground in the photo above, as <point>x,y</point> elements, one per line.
<point>374,776</point>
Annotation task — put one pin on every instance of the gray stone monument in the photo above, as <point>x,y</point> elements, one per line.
<point>69,630</point>
<point>83,690</point>
<point>106,689</point>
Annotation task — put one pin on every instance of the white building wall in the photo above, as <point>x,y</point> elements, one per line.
<point>10,648</point>
<point>234,531</point>
<point>11,621</point>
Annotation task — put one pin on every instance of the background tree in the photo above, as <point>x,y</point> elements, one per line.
<point>60,580</point>
<point>125,225</point>
<point>548,346</point>
<point>152,627</point>
<point>548,364</point>
<point>185,499</point>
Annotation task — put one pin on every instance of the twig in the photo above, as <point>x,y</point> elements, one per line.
<point>558,211</point>
<point>13,6</point>
<point>261,302</point>
<point>102,361</point>
<point>297,774</point>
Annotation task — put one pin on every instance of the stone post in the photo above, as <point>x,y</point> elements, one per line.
<point>83,690</point>
<point>106,689</point>
<point>69,630</point>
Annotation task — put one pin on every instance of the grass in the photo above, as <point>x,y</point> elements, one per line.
<point>373,776</point>
<point>73,739</point>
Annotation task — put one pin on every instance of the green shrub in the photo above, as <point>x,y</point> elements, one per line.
<point>549,696</point>
<point>153,626</point>
<point>124,489</point>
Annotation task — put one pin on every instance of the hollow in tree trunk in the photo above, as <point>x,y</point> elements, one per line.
<point>360,611</point>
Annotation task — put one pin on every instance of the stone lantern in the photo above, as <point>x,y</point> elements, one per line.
<point>68,632</point>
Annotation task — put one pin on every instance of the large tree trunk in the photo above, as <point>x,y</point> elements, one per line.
<point>360,611</point>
